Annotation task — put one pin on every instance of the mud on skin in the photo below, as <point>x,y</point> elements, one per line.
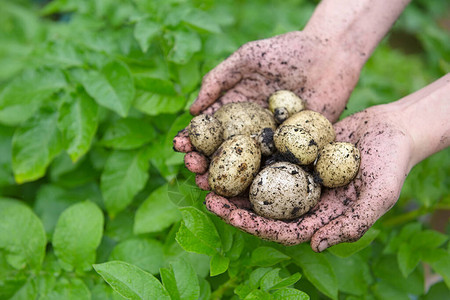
<point>343,214</point>
<point>259,68</point>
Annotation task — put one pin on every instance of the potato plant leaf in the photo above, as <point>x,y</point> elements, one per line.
<point>129,133</point>
<point>22,235</point>
<point>156,213</point>
<point>77,235</point>
<point>348,249</point>
<point>144,31</point>
<point>111,87</point>
<point>197,232</point>
<point>124,175</point>
<point>34,146</point>
<point>131,282</point>
<point>218,264</point>
<point>78,123</point>
<point>17,103</point>
<point>144,253</point>
<point>316,269</point>
<point>267,256</point>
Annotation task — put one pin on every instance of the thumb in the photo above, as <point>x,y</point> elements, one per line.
<point>218,80</point>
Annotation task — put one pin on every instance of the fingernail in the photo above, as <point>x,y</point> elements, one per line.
<point>322,245</point>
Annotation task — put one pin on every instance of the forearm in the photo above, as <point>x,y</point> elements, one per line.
<point>425,115</point>
<point>356,26</point>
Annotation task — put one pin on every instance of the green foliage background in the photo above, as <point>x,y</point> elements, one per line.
<point>94,204</point>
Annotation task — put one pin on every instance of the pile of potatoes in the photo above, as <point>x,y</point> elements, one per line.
<point>280,156</point>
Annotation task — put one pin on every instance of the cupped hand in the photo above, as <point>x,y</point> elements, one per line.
<point>314,69</point>
<point>343,214</point>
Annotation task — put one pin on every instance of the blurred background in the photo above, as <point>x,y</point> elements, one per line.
<point>92,93</point>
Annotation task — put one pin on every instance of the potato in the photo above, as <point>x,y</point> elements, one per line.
<point>314,123</point>
<point>295,144</point>
<point>244,118</point>
<point>283,191</point>
<point>205,133</point>
<point>234,165</point>
<point>284,104</point>
<point>337,164</point>
<point>265,140</point>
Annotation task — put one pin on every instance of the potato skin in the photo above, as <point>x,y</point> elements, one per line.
<point>283,191</point>
<point>295,144</point>
<point>337,164</point>
<point>244,118</point>
<point>287,100</point>
<point>315,124</point>
<point>205,133</point>
<point>234,165</point>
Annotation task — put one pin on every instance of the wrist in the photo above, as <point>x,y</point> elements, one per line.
<point>423,115</point>
<point>354,27</point>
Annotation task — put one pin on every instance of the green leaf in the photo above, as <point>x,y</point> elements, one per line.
<point>258,295</point>
<point>20,99</point>
<point>124,175</point>
<point>68,289</point>
<point>6,174</point>
<point>218,264</point>
<point>144,253</point>
<point>405,235</point>
<point>129,133</point>
<point>169,282</point>
<point>272,280</point>
<point>438,291</point>
<point>439,260</point>
<point>184,192</point>
<point>185,44</point>
<point>131,282</point>
<point>353,274</point>
<point>156,213</point>
<point>144,32</point>
<point>186,280</point>
<point>267,256</point>
<point>386,270</point>
<point>197,232</point>
<point>154,104</point>
<point>201,21</point>
<point>428,239</point>
<point>348,249</point>
<point>22,235</point>
<point>408,258</point>
<point>77,235</point>
<point>78,123</point>
<point>154,84</point>
<point>290,294</point>
<point>111,87</point>
<point>50,202</point>
<point>316,268</point>
<point>34,146</point>
<point>383,290</point>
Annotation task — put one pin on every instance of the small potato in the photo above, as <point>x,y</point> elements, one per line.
<point>315,124</point>
<point>265,140</point>
<point>337,164</point>
<point>205,133</point>
<point>283,191</point>
<point>285,103</point>
<point>295,144</point>
<point>244,118</point>
<point>234,165</point>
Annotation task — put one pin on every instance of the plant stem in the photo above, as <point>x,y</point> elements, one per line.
<point>412,215</point>
<point>229,284</point>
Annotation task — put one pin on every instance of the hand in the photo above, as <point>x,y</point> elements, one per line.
<point>316,70</point>
<point>343,214</point>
